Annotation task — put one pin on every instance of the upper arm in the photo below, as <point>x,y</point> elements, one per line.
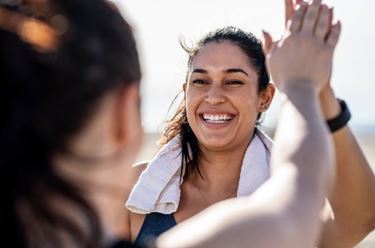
<point>337,235</point>
<point>334,234</point>
<point>353,195</point>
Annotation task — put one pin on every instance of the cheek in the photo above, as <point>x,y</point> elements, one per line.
<point>191,103</point>
<point>248,106</point>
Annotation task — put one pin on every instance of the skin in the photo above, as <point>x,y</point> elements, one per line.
<point>351,215</point>
<point>222,82</point>
<point>114,129</point>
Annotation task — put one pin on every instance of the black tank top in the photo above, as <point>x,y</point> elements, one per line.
<point>154,225</point>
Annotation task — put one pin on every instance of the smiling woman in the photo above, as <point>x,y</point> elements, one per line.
<point>222,97</point>
<point>226,77</point>
<point>227,88</point>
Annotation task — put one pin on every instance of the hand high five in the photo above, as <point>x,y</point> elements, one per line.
<point>304,55</point>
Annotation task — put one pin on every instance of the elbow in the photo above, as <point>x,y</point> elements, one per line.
<point>359,230</point>
<point>365,217</point>
<point>369,225</point>
<point>368,222</point>
<point>364,225</point>
<point>371,220</point>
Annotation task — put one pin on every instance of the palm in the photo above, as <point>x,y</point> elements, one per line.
<point>289,10</point>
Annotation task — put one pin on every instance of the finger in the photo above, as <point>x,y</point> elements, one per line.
<point>311,17</point>
<point>298,2</point>
<point>289,10</point>
<point>334,35</point>
<point>295,23</point>
<point>323,25</point>
<point>267,42</point>
<point>330,15</point>
<point>330,20</point>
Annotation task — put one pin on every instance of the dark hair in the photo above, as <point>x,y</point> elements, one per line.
<point>57,60</point>
<point>178,124</point>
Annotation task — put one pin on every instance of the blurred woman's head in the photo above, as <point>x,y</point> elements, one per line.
<point>226,90</point>
<point>60,60</point>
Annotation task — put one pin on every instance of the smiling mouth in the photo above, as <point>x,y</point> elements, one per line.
<point>216,118</point>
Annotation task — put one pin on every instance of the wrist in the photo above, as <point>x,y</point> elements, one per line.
<point>329,104</point>
<point>341,119</point>
<point>301,97</point>
<point>301,87</point>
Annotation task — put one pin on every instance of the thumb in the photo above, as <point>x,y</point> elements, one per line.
<point>268,42</point>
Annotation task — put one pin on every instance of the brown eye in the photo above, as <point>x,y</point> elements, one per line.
<point>234,82</point>
<point>199,82</point>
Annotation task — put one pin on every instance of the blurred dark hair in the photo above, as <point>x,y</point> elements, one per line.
<point>57,60</point>
<point>178,124</point>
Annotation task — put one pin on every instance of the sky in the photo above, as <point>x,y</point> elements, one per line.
<point>160,24</point>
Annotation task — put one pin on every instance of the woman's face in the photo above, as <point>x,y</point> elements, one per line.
<point>222,99</point>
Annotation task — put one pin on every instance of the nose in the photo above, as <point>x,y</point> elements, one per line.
<point>215,96</point>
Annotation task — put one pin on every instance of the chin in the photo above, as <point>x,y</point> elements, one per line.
<point>216,142</point>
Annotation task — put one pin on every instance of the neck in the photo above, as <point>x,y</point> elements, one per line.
<point>220,169</point>
<point>103,189</point>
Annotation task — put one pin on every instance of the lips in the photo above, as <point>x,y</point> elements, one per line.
<point>221,118</point>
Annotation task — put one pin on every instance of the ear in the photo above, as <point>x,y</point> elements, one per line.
<point>127,125</point>
<point>266,97</point>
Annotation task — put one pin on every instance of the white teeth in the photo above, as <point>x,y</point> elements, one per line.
<point>216,118</point>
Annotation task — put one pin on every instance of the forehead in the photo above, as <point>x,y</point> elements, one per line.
<point>223,54</point>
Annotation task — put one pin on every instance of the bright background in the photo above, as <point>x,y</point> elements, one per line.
<point>158,25</point>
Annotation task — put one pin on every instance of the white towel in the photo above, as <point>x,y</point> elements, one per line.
<point>158,187</point>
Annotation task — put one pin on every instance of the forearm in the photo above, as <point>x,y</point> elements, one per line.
<point>353,195</point>
<point>304,143</point>
<point>301,132</point>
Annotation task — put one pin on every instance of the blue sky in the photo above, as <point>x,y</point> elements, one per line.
<point>158,25</point>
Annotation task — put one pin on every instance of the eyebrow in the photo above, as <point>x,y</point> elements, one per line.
<point>230,70</point>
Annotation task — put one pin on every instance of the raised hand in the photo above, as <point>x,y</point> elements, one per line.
<point>290,7</point>
<point>304,55</point>
<point>328,100</point>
